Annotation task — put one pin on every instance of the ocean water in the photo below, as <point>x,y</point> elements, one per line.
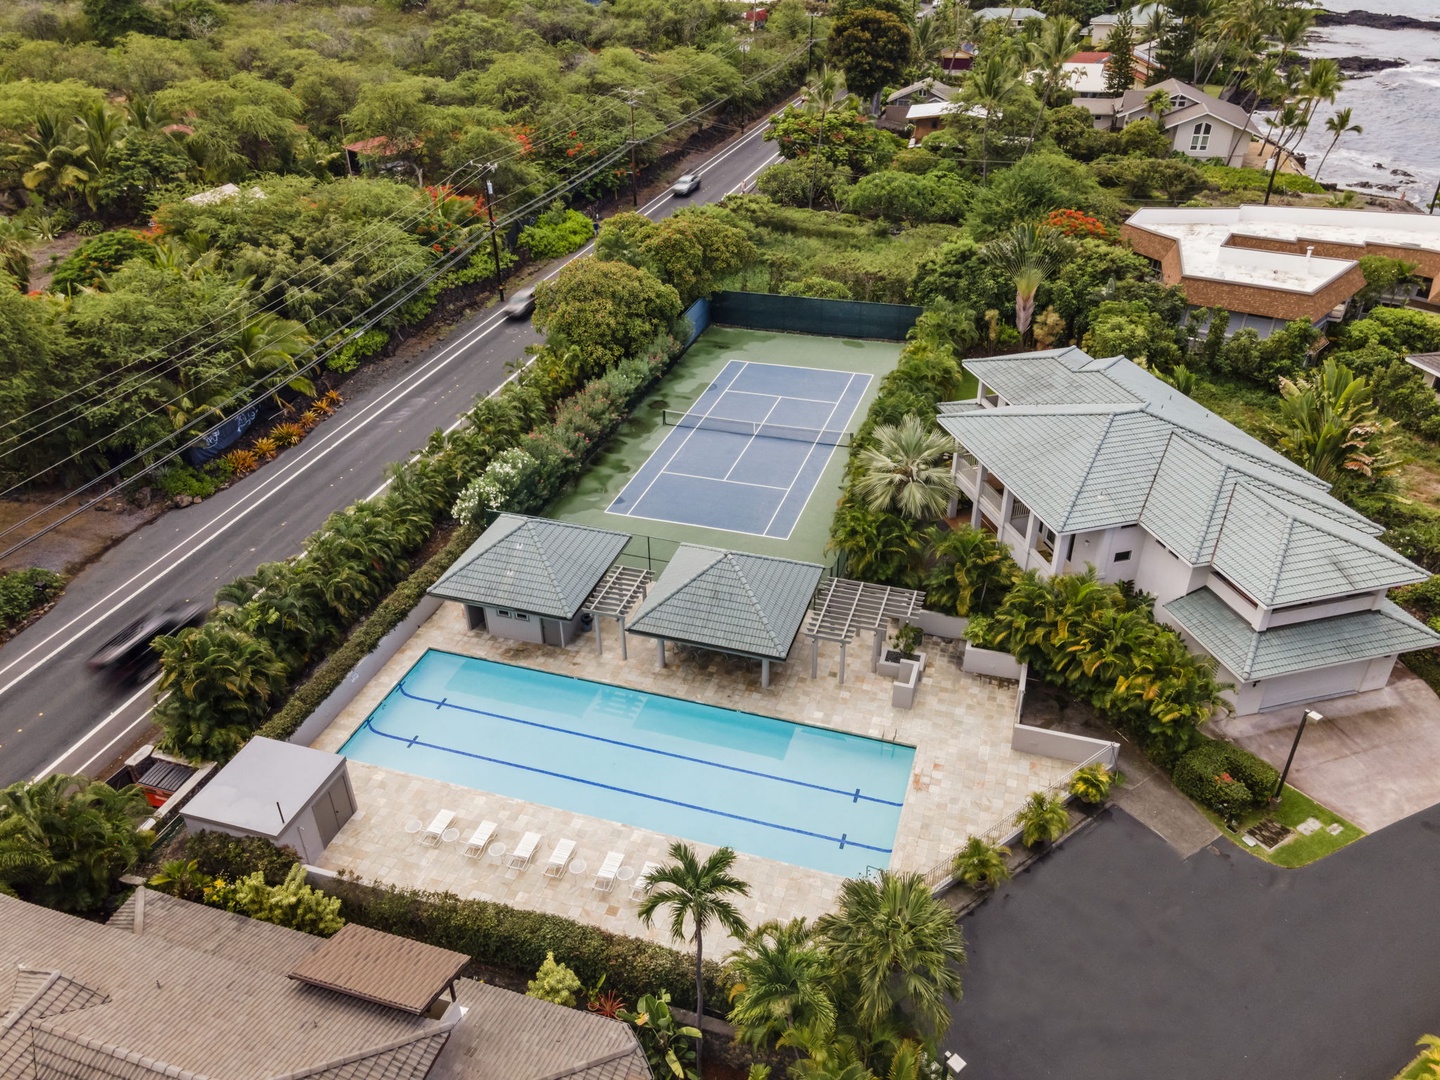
<point>1399,108</point>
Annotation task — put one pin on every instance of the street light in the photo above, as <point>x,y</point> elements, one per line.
<point>1306,717</point>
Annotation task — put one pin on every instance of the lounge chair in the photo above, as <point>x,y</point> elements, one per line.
<point>436,829</point>
<point>642,883</point>
<point>560,858</point>
<point>480,839</point>
<point>524,851</point>
<point>605,876</point>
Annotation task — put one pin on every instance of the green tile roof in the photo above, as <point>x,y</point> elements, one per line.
<point>1251,655</point>
<point>729,600</point>
<point>534,564</point>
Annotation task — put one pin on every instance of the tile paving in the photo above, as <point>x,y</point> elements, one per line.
<point>965,774</point>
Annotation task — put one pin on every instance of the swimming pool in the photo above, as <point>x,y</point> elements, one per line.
<point>785,791</point>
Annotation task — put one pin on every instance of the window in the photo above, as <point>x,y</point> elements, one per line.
<point>520,616</point>
<point>1122,556</point>
<point>1200,138</point>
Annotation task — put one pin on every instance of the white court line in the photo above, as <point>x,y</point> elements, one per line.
<point>754,435</point>
<point>789,397</point>
<point>831,456</point>
<point>723,480</point>
<point>801,470</point>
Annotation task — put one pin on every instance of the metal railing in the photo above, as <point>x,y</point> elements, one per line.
<point>1007,829</point>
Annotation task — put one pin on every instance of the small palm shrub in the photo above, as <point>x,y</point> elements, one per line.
<point>981,864</point>
<point>310,417</point>
<point>180,877</point>
<point>240,462</point>
<point>265,447</point>
<point>1091,784</point>
<point>1042,819</point>
<point>287,434</point>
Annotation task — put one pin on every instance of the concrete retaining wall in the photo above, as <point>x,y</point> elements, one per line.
<point>1062,745</point>
<point>949,627</point>
<point>326,712</point>
<point>998,665</point>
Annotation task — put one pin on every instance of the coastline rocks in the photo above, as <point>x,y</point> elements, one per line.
<point>1374,20</point>
<point>1353,65</point>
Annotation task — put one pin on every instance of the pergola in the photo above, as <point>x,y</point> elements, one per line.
<point>614,597</point>
<point>844,607</point>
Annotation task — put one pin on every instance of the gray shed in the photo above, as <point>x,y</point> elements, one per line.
<point>286,793</point>
<point>729,601</point>
<point>527,578</point>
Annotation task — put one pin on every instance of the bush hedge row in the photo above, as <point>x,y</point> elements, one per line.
<point>1227,779</point>
<point>24,591</point>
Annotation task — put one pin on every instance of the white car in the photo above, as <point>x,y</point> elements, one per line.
<point>686,184</point>
<point>520,304</point>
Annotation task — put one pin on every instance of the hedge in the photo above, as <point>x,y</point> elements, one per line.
<point>1226,779</point>
<point>517,940</point>
<point>390,613</point>
<point>22,592</point>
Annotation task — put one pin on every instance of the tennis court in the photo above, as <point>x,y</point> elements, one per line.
<point>748,453</point>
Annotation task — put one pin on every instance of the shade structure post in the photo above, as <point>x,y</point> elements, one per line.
<point>624,652</point>
<point>842,663</point>
<point>765,674</point>
<point>814,658</point>
<point>878,648</point>
<point>660,644</point>
<point>599,641</point>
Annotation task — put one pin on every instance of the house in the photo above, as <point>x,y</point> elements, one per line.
<point>1199,125</point>
<point>924,92</point>
<point>1084,75</point>
<point>1015,16</point>
<point>927,118</point>
<point>527,578</point>
<point>168,988</point>
<point>1075,461</point>
<point>955,60</point>
<point>1102,25</point>
<point>1428,365</point>
<point>1268,265</point>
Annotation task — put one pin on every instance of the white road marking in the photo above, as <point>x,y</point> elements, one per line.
<point>99,729</point>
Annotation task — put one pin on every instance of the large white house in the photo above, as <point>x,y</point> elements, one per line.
<point>1076,461</point>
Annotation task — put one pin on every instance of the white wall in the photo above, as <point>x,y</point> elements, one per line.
<point>514,625</point>
<point>1100,549</point>
<point>1164,574</point>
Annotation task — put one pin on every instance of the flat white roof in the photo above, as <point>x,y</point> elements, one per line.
<point>1203,235</point>
<point>267,781</point>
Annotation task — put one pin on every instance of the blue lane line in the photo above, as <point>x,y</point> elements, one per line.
<point>415,741</point>
<point>853,796</point>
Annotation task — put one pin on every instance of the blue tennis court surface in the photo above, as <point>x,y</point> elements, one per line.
<point>748,454</point>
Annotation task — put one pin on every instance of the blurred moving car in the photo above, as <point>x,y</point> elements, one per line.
<point>520,304</point>
<point>128,656</point>
<point>686,184</point>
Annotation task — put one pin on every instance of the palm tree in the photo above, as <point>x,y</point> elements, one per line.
<point>1058,41</point>
<point>780,983</point>
<point>99,130</point>
<point>926,40</point>
<point>15,240</point>
<point>268,345</point>
<point>1029,254</point>
<point>49,160</point>
<point>1159,102</point>
<point>697,891</point>
<point>896,952</point>
<point>875,546</point>
<point>969,565</point>
<point>992,83</point>
<point>822,95</point>
<point>905,469</point>
<point>1329,425</point>
<point>1042,819</point>
<point>1337,125</point>
<point>980,864</point>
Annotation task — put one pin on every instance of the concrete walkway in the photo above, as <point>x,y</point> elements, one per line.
<point>1371,760</point>
<point>1114,959</point>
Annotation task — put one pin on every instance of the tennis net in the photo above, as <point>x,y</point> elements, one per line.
<point>815,436</point>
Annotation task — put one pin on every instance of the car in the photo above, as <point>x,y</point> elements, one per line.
<point>128,656</point>
<point>520,304</point>
<point>685,184</point>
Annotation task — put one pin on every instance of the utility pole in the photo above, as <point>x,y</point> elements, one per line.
<point>494,242</point>
<point>810,49</point>
<point>632,98</point>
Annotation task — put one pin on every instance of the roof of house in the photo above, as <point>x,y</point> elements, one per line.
<point>1428,362</point>
<point>1205,238</point>
<point>137,997</point>
<point>1140,452</point>
<point>1089,57</point>
<point>926,110</point>
<point>925,86</point>
<point>729,600</point>
<point>534,564</point>
<point>1251,655</point>
<point>1017,14</point>
<point>381,146</point>
<point>389,970</point>
<point>1138,15</point>
<point>1196,102</point>
<point>263,787</point>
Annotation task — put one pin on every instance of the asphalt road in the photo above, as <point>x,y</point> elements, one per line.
<point>56,715</point>
<point>1114,959</point>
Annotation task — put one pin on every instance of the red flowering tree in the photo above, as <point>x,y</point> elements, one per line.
<point>1076,223</point>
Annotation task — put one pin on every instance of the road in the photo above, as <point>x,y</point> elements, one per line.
<point>1115,959</point>
<point>56,715</point>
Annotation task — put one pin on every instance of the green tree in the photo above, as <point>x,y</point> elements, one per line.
<point>876,546</point>
<point>693,249</point>
<point>1337,125</point>
<point>781,982</point>
<point>554,982</point>
<point>896,952</point>
<point>700,893</point>
<point>822,95</point>
<point>604,310</point>
<point>789,183</point>
<point>1028,254</point>
<point>1042,819</point>
<point>1059,39</point>
<point>110,19</point>
<point>993,83</point>
<point>873,47</point>
<point>1120,66</point>
<point>971,570</point>
<point>904,468</point>
<point>980,864</point>
<point>1329,425</point>
<point>65,840</point>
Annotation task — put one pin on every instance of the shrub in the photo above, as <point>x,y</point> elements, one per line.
<point>183,480</point>
<point>287,434</point>
<point>981,864</point>
<point>348,357</point>
<point>1215,775</point>
<point>817,286</point>
<point>23,591</point>
<point>219,855</point>
<point>1042,819</point>
<point>555,983</point>
<point>90,228</point>
<point>1091,784</point>
<point>556,232</point>
<point>789,183</point>
<point>292,903</point>
<point>240,462</point>
<point>100,255</point>
<point>496,488</point>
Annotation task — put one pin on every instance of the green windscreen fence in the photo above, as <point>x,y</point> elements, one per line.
<point>811,315</point>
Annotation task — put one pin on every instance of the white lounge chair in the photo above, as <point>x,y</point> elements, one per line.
<point>560,858</point>
<point>436,828</point>
<point>480,839</point>
<point>642,883</point>
<point>605,876</point>
<point>524,851</point>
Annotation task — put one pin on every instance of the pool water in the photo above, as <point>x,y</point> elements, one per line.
<point>784,791</point>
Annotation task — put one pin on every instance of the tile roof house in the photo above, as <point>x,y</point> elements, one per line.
<point>1267,265</point>
<point>526,578</point>
<point>1077,461</point>
<point>729,601</point>
<point>924,92</point>
<point>1016,16</point>
<point>173,989</point>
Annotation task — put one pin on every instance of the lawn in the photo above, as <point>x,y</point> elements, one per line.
<point>1295,807</point>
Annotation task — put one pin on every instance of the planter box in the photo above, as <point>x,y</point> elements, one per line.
<point>892,665</point>
<point>902,694</point>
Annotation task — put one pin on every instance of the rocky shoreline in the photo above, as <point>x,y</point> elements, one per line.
<point>1365,65</point>
<point>1374,20</point>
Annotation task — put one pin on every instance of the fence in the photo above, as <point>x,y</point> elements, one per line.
<point>812,315</point>
<point>697,320</point>
<point>1007,829</point>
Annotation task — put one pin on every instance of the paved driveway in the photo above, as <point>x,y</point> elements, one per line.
<point>1114,959</point>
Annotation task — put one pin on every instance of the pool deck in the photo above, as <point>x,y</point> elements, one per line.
<point>965,774</point>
